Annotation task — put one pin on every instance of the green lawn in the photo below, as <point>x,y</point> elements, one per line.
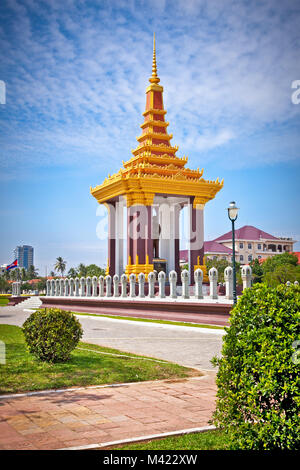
<point>209,440</point>
<point>22,372</point>
<point>164,322</point>
<point>3,301</point>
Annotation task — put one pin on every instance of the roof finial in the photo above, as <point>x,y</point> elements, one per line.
<point>154,78</point>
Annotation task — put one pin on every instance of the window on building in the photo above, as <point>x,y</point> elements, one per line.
<point>259,257</point>
<point>241,245</point>
<point>249,257</point>
<point>241,258</point>
<point>259,246</point>
<point>249,246</point>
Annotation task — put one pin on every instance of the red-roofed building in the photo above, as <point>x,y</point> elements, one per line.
<point>251,243</point>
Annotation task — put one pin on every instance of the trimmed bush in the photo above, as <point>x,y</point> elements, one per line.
<point>258,398</point>
<point>51,334</point>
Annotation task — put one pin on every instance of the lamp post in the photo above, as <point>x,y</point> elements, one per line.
<point>232,214</point>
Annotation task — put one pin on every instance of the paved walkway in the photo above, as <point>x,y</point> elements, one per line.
<point>96,415</point>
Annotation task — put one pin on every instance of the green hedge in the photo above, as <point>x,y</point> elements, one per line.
<point>258,398</point>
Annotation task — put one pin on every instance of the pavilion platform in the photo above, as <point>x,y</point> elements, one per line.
<point>189,310</point>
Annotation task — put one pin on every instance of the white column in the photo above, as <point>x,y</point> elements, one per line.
<point>119,214</point>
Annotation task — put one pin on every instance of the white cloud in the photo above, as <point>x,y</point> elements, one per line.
<point>76,78</point>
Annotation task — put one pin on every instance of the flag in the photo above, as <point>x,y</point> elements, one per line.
<point>12,265</point>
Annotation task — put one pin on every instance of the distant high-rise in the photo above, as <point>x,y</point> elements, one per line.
<point>24,255</point>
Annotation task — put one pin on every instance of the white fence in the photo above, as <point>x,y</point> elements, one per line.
<point>120,287</point>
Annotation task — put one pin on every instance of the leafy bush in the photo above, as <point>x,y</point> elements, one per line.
<point>258,398</point>
<point>52,334</point>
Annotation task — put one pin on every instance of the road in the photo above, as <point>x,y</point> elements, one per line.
<point>193,347</point>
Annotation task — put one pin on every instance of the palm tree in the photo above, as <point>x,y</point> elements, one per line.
<point>60,265</point>
<point>72,273</point>
<point>82,270</point>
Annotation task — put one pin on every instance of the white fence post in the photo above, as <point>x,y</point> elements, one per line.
<point>108,285</point>
<point>116,285</point>
<point>67,288</point>
<point>77,284</point>
<point>101,286</point>
<point>185,284</point>
<point>57,289</point>
<point>52,287</point>
<point>95,285</point>
<point>198,277</point>
<point>72,285</point>
<point>141,281</point>
<point>82,286</point>
<point>151,282</point>
<point>213,280</point>
<point>132,279</point>
<point>173,284</point>
<point>246,276</point>
<point>62,287</point>
<point>123,285</point>
<point>88,286</point>
<point>162,284</point>
<point>228,277</point>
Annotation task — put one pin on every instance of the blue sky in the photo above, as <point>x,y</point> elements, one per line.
<point>76,73</point>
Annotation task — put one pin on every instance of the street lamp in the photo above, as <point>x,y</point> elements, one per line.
<point>232,214</point>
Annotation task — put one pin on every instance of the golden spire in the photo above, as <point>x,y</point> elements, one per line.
<point>154,78</point>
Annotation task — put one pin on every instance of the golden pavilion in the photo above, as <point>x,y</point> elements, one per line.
<point>154,185</point>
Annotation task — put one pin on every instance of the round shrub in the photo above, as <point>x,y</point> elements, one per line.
<point>52,334</point>
<point>258,398</point>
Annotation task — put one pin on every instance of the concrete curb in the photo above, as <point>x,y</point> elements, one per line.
<point>75,389</point>
<point>104,445</point>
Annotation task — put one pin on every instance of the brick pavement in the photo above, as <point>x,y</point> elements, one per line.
<point>97,415</point>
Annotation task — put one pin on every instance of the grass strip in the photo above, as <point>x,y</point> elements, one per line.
<point>149,320</point>
<point>22,372</point>
<point>208,440</point>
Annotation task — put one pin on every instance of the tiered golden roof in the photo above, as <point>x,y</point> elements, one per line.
<point>154,167</point>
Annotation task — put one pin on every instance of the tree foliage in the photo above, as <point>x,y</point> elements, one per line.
<point>258,398</point>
